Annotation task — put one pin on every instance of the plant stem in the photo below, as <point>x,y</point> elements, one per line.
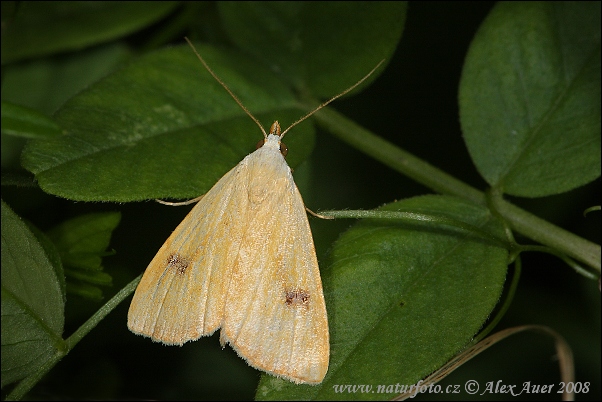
<point>102,312</point>
<point>404,162</point>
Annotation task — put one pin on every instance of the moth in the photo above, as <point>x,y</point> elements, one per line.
<point>243,261</point>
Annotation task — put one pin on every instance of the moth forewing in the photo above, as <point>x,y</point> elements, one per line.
<point>280,269</point>
<point>182,293</point>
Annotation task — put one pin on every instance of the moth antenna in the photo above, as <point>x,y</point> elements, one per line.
<point>351,88</point>
<point>265,135</point>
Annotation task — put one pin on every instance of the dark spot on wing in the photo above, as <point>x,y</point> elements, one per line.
<point>178,263</point>
<point>297,298</point>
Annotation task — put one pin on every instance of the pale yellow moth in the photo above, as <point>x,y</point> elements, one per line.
<point>243,260</point>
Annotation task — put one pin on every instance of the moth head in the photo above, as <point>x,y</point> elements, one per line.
<point>275,130</point>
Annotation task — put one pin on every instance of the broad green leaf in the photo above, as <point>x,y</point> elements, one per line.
<point>24,122</point>
<point>44,27</point>
<point>323,47</point>
<point>32,302</point>
<point>54,257</point>
<point>530,97</point>
<point>403,299</point>
<point>45,84</point>
<point>163,127</point>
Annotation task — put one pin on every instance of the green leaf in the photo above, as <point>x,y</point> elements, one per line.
<point>45,84</point>
<point>24,122</point>
<point>163,127</point>
<point>321,47</point>
<point>32,303</point>
<point>54,257</point>
<point>82,241</point>
<point>40,28</point>
<point>403,298</point>
<point>85,290</point>
<point>530,97</point>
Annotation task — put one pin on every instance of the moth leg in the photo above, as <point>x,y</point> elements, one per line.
<point>318,215</point>
<point>178,204</point>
